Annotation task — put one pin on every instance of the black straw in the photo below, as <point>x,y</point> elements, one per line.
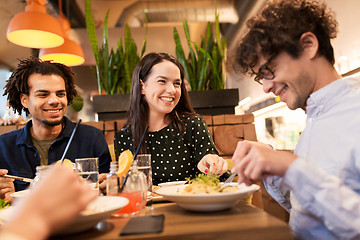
<point>135,155</point>
<point>141,141</point>
<point>70,140</point>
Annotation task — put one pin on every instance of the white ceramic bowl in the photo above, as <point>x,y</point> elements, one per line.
<point>173,183</point>
<point>98,210</point>
<point>204,202</point>
<point>20,194</point>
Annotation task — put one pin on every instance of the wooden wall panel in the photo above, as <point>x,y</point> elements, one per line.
<point>249,132</point>
<point>226,138</point>
<point>18,126</point>
<point>6,129</point>
<point>208,119</point>
<point>99,125</point>
<point>248,118</point>
<point>110,125</point>
<point>233,119</point>
<point>109,137</point>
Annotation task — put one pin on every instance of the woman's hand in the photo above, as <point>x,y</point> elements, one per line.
<point>213,163</point>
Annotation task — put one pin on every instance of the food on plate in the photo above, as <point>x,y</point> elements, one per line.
<point>3,203</point>
<point>125,162</point>
<point>206,183</point>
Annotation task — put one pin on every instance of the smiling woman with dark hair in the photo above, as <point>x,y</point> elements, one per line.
<point>178,138</point>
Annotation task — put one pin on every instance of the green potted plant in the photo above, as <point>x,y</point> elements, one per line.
<point>113,68</point>
<point>205,71</point>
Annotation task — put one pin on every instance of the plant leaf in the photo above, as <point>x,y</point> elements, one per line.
<point>91,29</point>
<point>77,103</point>
<point>216,74</point>
<point>192,56</point>
<point>145,37</point>
<point>182,59</point>
<point>105,31</point>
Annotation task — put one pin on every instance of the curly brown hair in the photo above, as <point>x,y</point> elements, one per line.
<point>18,81</point>
<point>279,27</point>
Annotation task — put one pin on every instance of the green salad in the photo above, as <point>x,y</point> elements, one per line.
<point>208,179</point>
<point>3,204</point>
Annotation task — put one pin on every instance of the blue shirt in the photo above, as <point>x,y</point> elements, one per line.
<point>19,155</point>
<point>324,181</point>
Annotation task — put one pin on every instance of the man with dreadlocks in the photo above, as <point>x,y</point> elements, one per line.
<point>44,89</point>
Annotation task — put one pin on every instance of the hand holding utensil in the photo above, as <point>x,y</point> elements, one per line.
<point>29,180</point>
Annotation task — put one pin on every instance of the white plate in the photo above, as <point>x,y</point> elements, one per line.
<point>98,210</point>
<point>167,184</point>
<point>158,198</point>
<point>19,194</point>
<point>204,202</point>
<point>23,193</point>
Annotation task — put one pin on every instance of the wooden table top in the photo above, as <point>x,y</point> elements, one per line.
<point>240,222</point>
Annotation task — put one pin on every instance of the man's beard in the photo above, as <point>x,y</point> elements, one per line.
<point>52,123</point>
<point>303,83</point>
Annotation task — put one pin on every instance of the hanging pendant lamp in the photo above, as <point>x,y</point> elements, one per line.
<point>34,28</point>
<point>70,53</point>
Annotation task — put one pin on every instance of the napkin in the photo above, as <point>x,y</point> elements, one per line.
<point>144,224</point>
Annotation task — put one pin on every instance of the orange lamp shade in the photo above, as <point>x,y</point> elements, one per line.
<point>34,28</point>
<point>69,54</point>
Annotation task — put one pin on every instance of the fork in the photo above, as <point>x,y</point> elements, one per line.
<point>228,181</point>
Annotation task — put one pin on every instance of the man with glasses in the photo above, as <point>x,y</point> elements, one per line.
<point>264,72</point>
<point>288,50</point>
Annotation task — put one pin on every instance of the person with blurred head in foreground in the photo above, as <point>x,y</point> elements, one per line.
<point>43,90</point>
<point>50,206</point>
<point>288,50</point>
<point>177,139</point>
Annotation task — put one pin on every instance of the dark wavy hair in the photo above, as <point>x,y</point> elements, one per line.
<point>279,27</point>
<point>17,84</point>
<point>138,114</point>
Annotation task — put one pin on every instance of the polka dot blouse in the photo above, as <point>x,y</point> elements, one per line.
<point>173,157</point>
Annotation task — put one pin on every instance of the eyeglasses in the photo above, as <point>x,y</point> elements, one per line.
<point>264,72</point>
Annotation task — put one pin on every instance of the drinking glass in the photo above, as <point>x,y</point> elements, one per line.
<point>133,187</point>
<point>88,168</point>
<point>40,172</point>
<point>144,164</point>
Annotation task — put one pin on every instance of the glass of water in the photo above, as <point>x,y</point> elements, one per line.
<point>88,168</point>
<point>144,164</point>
